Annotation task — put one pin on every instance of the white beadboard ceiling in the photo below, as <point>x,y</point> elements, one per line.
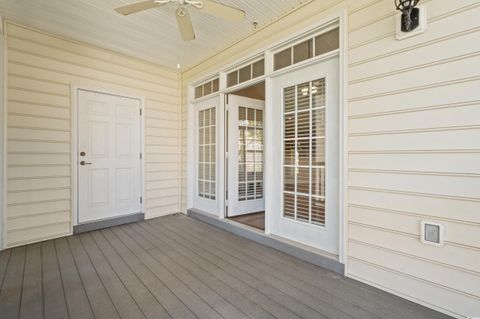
<point>151,35</point>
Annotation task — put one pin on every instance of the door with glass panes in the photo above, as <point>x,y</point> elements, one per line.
<point>206,155</point>
<point>305,207</point>
<point>245,156</point>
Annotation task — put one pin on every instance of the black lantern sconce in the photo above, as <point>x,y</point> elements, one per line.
<point>410,14</point>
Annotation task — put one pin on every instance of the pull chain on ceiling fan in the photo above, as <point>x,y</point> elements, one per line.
<point>183,17</point>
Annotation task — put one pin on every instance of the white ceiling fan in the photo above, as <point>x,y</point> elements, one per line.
<point>183,17</point>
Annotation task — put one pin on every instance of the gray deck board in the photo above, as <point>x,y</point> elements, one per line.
<point>309,277</point>
<point>176,267</point>
<point>4,258</point>
<point>168,248</point>
<point>147,302</point>
<point>278,302</point>
<point>271,300</point>
<point>54,303</point>
<point>319,299</point>
<point>75,295</point>
<point>178,288</point>
<point>31,306</point>
<point>11,293</point>
<point>121,298</point>
<point>293,299</point>
<point>172,304</point>
<point>102,305</point>
<point>216,301</point>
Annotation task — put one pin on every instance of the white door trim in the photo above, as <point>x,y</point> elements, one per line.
<point>74,143</point>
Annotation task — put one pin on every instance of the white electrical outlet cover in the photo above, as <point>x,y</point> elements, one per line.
<point>424,233</point>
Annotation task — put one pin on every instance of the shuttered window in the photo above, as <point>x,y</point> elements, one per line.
<point>304,152</point>
<point>207,153</point>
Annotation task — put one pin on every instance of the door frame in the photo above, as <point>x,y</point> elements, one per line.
<point>338,14</point>
<point>74,143</point>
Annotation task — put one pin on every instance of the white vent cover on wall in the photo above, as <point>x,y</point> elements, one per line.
<point>420,29</point>
<point>432,233</point>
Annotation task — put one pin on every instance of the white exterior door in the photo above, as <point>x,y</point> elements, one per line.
<point>109,159</point>
<point>245,155</point>
<point>206,145</point>
<point>305,134</point>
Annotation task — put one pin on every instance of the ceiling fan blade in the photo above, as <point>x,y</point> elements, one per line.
<point>222,11</point>
<point>137,7</point>
<point>185,24</point>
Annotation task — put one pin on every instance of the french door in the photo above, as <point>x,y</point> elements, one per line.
<point>109,164</point>
<point>245,155</point>
<point>205,186</point>
<point>305,205</point>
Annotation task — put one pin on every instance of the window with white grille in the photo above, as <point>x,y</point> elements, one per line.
<point>206,153</point>
<point>250,154</point>
<point>304,152</point>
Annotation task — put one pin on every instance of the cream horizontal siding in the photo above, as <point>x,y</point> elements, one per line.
<point>41,70</point>
<point>413,145</point>
<point>414,153</point>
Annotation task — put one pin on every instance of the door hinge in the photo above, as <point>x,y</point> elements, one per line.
<point>140,112</point>
<point>141,155</point>
<point>226,99</point>
<point>141,199</point>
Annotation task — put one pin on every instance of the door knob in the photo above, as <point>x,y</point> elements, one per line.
<point>85,163</point>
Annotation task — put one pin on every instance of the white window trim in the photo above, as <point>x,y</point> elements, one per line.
<point>338,18</point>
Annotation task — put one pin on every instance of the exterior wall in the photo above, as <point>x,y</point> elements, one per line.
<point>41,69</point>
<point>414,145</point>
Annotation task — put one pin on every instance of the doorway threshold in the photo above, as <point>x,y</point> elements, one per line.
<point>306,253</point>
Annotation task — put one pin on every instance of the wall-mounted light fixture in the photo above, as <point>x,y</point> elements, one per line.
<point>410,14</point>
<point>412,20</point>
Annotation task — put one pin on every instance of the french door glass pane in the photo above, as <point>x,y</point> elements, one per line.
<point>304,152</point>
<point>250,153</point>
<point>206,154</point>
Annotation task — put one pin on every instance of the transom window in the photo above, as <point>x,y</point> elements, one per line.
<point>207,88</point>
<point>304,152</point>
<point>307,49</point>
<point>246,73</point>
<point>207,153</point>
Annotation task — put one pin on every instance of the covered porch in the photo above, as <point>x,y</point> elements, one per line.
<point>175,267</point>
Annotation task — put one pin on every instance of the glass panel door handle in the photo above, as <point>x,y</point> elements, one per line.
<point>85,163</point>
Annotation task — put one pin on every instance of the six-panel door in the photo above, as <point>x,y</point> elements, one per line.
<point>109,164</point>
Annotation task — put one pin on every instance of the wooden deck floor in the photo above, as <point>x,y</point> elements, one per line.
<point>256,220</point>
<point>176,267</point>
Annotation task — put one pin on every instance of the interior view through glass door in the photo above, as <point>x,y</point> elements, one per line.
<point>245,160</point>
